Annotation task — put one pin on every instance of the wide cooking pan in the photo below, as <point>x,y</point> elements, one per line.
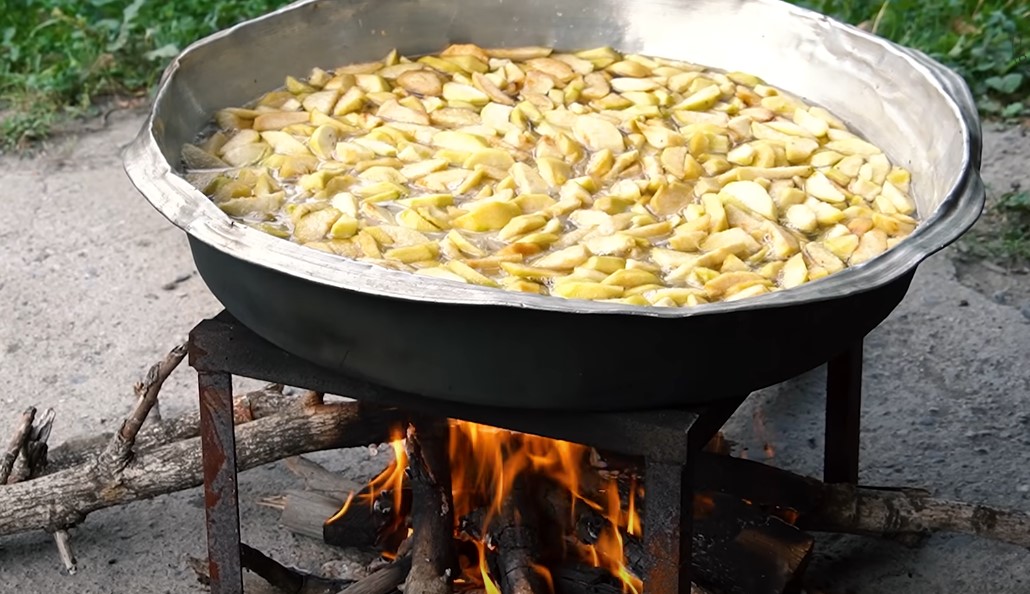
<point>488,346</point>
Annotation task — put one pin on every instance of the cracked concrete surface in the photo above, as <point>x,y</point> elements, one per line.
<point>95,286</point>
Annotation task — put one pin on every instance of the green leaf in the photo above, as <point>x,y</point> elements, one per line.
<point>1007,84</point>
<point>1012,110</point>
<point>988,105</point>
<point>1015,201</point>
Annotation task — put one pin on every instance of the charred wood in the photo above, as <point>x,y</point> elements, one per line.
<point>286,579</point>
<point>514,535</point>
<point>765,486</point>
<point>432,513</point>
<point>581,579</point>
<point>363,525</point>
<point>730,533</point>
<point>377,525</point>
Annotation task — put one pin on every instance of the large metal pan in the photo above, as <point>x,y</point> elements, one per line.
<point>488,346</point>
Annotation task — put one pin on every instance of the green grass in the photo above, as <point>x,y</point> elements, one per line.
<point>985,41</point>
<point>58,57</point>
<point>1003,232</point>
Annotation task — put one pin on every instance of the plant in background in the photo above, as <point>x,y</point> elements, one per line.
<point>57,57</point>
<point>1003,232</point>
<point>986,41</point>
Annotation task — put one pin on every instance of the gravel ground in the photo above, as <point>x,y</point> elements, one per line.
<point>95,286</point>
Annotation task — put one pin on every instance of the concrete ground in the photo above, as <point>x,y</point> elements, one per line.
<point>95,286</point>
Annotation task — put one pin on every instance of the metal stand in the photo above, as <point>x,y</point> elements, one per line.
<point>221,495</point>
<point>843,416</point>
<point>221,347</point>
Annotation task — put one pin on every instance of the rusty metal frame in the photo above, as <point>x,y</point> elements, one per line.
<point>221,346</point>
<point>221,492</point>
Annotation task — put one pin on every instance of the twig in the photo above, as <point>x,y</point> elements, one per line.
<point>247,407</point>
<point>64,549</point>
<point>119,451</point>
<point>33,460</point>
<point>34,441</point>
<point>36,449</point>
<point>16,444</point>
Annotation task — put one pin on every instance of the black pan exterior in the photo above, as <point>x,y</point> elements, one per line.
<point>525,358</point>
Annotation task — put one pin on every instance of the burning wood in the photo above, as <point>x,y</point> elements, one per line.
<point>526,504</point>
<point>432,516</point>
<point>285,578</point>
<point>515,535</point>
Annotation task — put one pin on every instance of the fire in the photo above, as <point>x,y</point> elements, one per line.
<point>484,570</point>
<point>632,519</point>
<point>391,479</point>
<point>343,510</point>
<point>610,549</point>
<point>485,462</point>
<point>488,463</point>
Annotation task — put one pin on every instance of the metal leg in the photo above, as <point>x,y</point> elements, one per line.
<point>843,416</point>
<point>221,496</point>
<point>668,526</point>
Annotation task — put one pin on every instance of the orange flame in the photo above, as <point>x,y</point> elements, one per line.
<point>610,545</point>
<point>632,518</point>
<point>343,510</point>
<point>544,574</point>
<point>392,478</point>
<point>485,463</point>
<point>484,570</point>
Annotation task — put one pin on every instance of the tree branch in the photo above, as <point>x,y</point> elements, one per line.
<point>901,513</point>
<point>64,498</point>
<point>247,407</point>
<point>17,442</point>
<point>119,451</point>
